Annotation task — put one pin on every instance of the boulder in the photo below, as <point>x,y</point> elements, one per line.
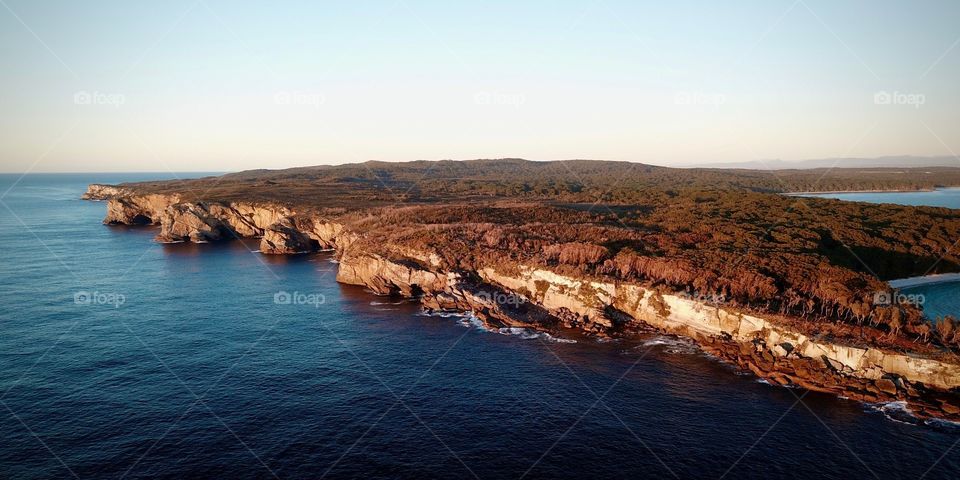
<point>886,386</point>
<point>949,408</point>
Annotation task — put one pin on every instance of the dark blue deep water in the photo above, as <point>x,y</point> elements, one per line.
<point>198,373</point>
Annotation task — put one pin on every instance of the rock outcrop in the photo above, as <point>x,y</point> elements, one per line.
<point>448,292</point>
<point>387,277</point>
<point>283,238</point>
<point>139,209</point>
<point>98,191</point>
<point>205,222</point>
<point>192,222</point>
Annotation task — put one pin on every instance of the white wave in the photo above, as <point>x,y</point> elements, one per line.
<point>386,303</point>
<point>531,334</point>
<point>896,411</point>
<point>469,320</point>
<point>941,424</point>
<point>900,412</point>
<point>442,314</point>
<point>899,406</point>
<point>675,345</point>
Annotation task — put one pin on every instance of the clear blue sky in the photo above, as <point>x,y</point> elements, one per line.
<point>218,85</point>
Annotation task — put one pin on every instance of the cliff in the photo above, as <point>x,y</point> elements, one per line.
<point>769,349</point>
<point>515,294</point>
<point>280,228</point>
<point>774,352</point>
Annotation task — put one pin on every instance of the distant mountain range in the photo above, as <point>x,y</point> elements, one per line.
<point>905,161</point>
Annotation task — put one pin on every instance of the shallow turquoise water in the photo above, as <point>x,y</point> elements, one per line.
<point>941,197</point>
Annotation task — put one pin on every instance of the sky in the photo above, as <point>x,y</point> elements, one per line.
<point>211,85</point>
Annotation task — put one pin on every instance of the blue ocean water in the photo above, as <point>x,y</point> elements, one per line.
<point>939,299</point>
<point>178,363</point>
<point>941,197</point>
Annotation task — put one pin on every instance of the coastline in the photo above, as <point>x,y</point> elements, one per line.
<point>925,280</point>
<point>552,301</point>
<point>831,192</point>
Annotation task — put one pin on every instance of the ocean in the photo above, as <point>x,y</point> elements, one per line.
<point>124,358</point>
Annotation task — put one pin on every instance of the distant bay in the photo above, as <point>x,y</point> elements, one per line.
<point>942,298</point>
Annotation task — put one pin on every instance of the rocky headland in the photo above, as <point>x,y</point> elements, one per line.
<point>547,261</point>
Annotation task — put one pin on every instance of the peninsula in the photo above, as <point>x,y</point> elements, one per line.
<point>792,289</point>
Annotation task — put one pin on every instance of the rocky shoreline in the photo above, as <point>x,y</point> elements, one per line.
<point>529,296</point>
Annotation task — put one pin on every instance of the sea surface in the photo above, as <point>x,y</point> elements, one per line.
<point>939,299</point>
<point>124,358</point>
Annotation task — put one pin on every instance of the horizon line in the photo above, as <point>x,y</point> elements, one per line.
<point>719,164</point>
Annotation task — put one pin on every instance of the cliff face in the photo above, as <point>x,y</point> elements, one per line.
<point>281,230</point>
<point>201,222</point>
<point>771,351</point>
<point>496,306</point>
<point>542,299</point>
<point>138,209</point>
<point>695,319</point>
